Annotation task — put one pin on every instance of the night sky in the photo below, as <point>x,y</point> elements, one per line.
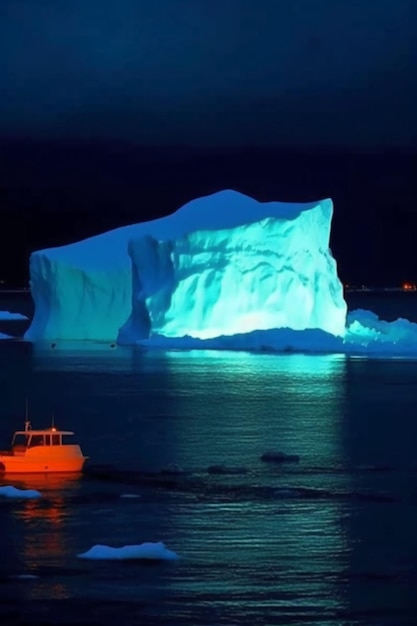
<point>112,112</point>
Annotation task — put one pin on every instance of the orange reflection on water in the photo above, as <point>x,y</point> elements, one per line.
<point>45,541</point>
<point>43,482</point>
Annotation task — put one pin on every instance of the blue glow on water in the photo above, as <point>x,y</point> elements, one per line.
<point>331,536</point>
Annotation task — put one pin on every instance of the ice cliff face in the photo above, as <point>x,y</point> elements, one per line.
<point>222,264</point>
<point>272,273</point>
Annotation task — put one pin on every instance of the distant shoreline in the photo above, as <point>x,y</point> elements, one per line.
<point>346,290</point>
<point>379,290</point>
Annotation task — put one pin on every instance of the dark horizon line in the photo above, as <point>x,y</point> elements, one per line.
<point>188,148</point>
<point>349,286</point>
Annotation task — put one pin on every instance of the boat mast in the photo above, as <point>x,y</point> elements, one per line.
<point>27,423</point>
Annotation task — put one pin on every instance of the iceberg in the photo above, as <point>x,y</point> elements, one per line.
<point>221,265</point>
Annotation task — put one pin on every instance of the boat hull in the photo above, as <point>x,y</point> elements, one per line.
<point>19,465</point>
<point>43,459</point>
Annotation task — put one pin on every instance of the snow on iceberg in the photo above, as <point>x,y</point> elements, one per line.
<point>221,264</point>
<point>144,551</point>
<point>8,491</point>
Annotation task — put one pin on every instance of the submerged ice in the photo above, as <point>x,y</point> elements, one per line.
<point>221,265</point>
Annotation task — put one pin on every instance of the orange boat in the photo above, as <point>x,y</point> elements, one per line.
<point>41,451</point>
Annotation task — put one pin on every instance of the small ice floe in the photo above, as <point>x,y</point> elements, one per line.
<point>7,316</point>
<point>144,551</point>
<point>224,469</point>
<point>23,577</point>
<point>130,495</point>
<point>12,492</point>
<point>279,457</point>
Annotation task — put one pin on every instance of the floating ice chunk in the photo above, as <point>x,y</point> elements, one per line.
<point>144,551</point>
<point>130,495</point>
<point>12,492</point>
<point>367,334</point>
<point>8,316</point>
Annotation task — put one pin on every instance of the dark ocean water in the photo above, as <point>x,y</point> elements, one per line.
<point>329,540</point>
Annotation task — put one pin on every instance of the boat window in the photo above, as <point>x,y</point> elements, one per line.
<point>36,440</point>
<point>47,440</point>
<point>20,440</point>
<point>56,440</point>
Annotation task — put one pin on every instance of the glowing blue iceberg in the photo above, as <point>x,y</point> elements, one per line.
<point>220,265</point>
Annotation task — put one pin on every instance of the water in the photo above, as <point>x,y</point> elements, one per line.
<point>330,540</point>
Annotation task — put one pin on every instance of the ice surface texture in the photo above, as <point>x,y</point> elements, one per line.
<point>365,334</point>
<point>220,265</point>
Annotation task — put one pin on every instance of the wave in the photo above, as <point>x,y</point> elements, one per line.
<point>206,488</point>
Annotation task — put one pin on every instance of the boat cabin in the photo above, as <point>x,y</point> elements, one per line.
<point>29,438</point>
<point>47,450</point>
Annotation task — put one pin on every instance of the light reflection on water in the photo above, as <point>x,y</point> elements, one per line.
<point>43,528</point>
<point>248,542</point>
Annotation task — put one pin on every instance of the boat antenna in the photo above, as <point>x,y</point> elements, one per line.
<point>27,423</point>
